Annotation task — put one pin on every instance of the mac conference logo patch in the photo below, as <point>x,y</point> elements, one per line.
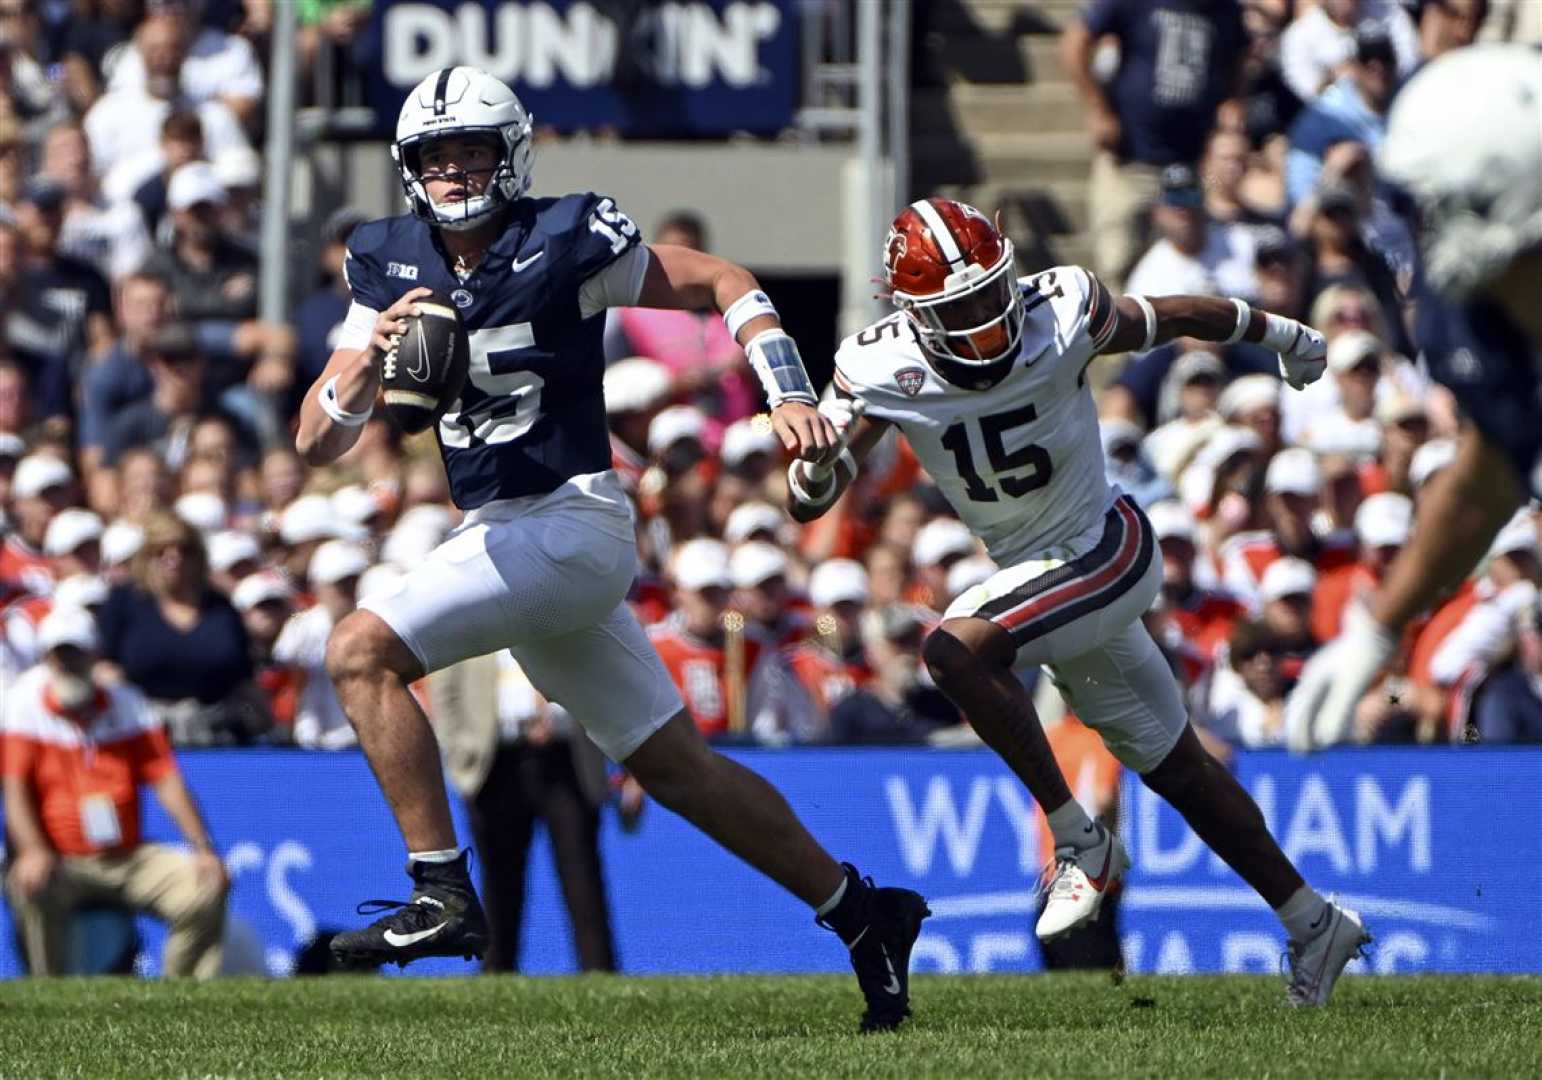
<point>910,380</point>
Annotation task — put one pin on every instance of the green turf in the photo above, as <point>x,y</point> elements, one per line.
<point>732,1027</point>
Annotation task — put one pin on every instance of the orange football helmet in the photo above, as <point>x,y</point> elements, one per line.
<point>952,273</point>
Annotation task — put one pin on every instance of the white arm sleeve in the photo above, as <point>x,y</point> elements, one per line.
<point>358,327</point>
<point>618,285</point>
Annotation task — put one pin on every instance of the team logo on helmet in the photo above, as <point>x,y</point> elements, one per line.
<point>895,247</point>
<point>910,379</point>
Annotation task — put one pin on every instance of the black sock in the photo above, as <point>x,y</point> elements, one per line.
<point>849,916</point>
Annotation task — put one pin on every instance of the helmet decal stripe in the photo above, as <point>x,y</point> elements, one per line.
<point>946,243</point>
<point>441,88</point>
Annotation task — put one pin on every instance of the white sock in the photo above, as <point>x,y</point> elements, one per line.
<point>1071,826</point>
<point>835,899</point>
<point>1303,913</point>
<point>444,856</point>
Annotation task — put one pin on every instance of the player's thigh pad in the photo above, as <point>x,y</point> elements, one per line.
<point>609,677</point>
<point>494,584</point>
<point>1125,691</point>
<point>1073,599</point>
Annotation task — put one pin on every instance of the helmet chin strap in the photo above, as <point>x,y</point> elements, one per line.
<point>457,217</point>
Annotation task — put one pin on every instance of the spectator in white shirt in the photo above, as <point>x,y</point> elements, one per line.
<point>1316,48</point>
<point>219,66</point>
<point>124,126</point>
<point>109,235</point>
<point>1194,254</point>
<point>320,723</point>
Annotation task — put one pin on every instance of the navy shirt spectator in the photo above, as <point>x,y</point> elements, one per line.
<point>323,311</point>
<point>174,636</point>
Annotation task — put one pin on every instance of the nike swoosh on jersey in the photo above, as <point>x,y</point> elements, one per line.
<point>401,941</point>
<point>519,264</point>
<point>893,986</point>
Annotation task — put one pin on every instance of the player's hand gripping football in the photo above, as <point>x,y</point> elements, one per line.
<point>391,323</point>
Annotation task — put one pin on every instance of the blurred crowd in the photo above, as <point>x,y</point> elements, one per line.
<point>146,472</point>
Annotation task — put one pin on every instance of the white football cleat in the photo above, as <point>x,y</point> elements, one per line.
<point>1081,879</point>
<point>1316,964</point>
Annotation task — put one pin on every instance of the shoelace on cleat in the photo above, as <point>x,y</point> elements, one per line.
<point>407,914</point>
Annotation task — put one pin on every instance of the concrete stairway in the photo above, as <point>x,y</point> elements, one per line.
<point>995,122</point>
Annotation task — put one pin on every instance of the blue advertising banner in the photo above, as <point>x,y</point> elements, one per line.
<point>682,68</point>
<point>1437,848</point>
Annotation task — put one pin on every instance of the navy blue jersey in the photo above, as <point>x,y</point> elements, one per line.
<point>1495,374</point>
<point>532,413</point>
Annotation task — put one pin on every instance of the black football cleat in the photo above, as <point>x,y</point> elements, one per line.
<point>886,924</point>
<point>443,918</point>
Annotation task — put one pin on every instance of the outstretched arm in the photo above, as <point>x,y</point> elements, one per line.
<point>1143,322</point>
<point>680,277</point>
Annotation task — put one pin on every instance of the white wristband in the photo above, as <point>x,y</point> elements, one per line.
<point>1244,320</point>
<point>774,356</point>
<point>334,408</point>
<point>1151,322</point>
<point>795,481</point>
<point>752,305</point>
<point>1280,334</point>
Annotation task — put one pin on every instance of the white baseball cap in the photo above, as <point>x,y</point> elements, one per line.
<point>231,546</point>
<point>750,518</point>
<point>69,529</point>
<point>1518,534</point>
<point>80,591</point>
<point>430,517</point>
<point>12,445</point>
<point>203,510</point>
<point>701,564</point>
<point>751,435</point>
<point>1338,434</point>
<point>237,167</point>
<point>1384,520</point>
<point>312,517</point>
<point>1195,363</point>
<point>1397,407</point>
<point>68,626</point>
<point>1293,471</point>
<point>194,183</point>
<point>836,581</point>
<point>121,541</point>
<point>756,563</point>
<point>1170,520</point>
<point>1227,444</point>
<point>940,538</point>
<point>336,560</point>
<point>1287,577</point>
<point>259,588</point>
<point>36,473</point>
<point>380,578</point>
<point>1247,393</point>
<point>967,573</point>
<point>1429,459</point>
<point>635,384</point>
<point>409,544</point>
<point>673,424</point>
<point>1116,431</point>
<point>354,504</point>
<point>1351,347</point>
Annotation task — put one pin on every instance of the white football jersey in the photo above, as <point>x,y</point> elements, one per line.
<point>1022,462</point>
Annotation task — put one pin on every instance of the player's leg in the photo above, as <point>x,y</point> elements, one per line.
<point>611,680</point>
<point>1030,614</point>
<point>1125,689</point>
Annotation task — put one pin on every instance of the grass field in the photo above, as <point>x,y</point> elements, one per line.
<point>1079,1026</point>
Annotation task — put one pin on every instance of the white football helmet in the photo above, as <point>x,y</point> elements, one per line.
<point>463,101</point>
<point>1465,140</point>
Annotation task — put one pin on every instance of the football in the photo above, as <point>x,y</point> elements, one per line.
<point>423,375</point>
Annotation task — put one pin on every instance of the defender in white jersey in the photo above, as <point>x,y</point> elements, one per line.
<point>984,374</point>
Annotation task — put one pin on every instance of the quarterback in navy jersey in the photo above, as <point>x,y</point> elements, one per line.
<point>1475,176</point>
<point>545,556</point>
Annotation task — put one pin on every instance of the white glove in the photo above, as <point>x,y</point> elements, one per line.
<point>1321,708</point>
<point>1303,356</point>
<point>843,414</point>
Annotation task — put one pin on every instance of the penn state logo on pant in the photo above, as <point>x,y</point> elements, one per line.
<point>910,380</point>
<point>461,298</point>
